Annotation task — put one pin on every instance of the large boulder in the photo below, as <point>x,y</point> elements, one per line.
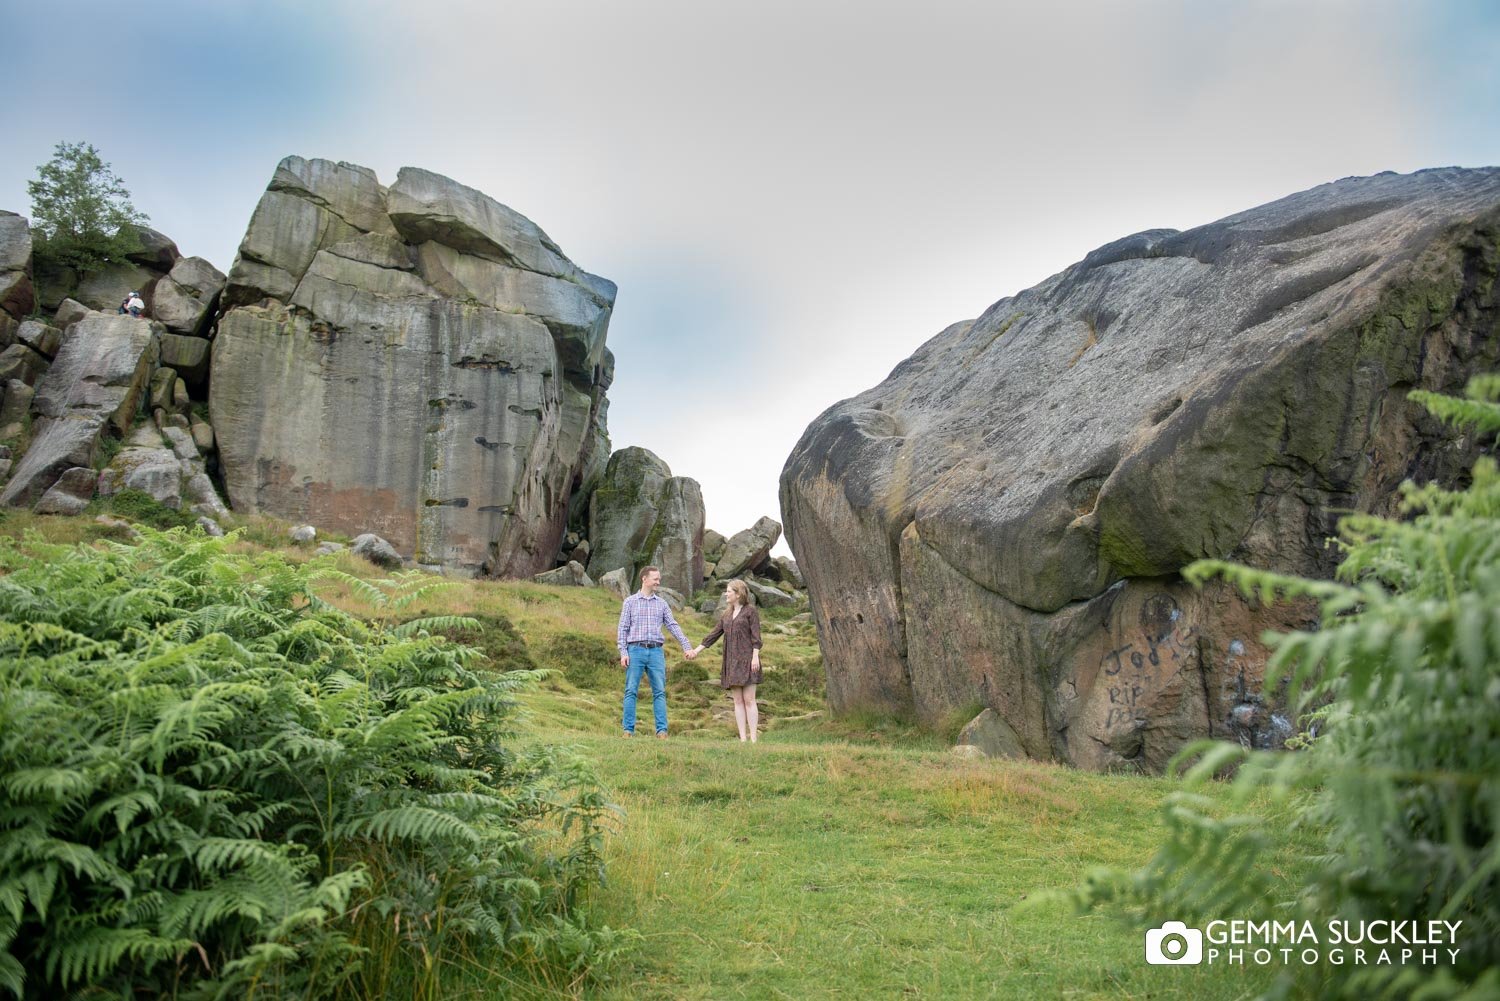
<point>747,550</point>
<point>640,515</point>
<point>571,575</point>
<point>372,372</point>
<point>1004,519</point>
<point>16,292</point>
<point>100,374</point>
<point>184,301</point>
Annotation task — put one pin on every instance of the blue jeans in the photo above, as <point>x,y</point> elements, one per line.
<point>653,662</point>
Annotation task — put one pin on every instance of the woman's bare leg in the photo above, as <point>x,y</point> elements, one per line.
<point>752,712</point>
<point>739,709</point>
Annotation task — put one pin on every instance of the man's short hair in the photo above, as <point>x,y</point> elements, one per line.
<point>646,570</point>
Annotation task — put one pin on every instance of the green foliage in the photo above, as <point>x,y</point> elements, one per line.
<point>139,506</point>
<point>1400,694</point>
<point>213,783</point>
<point>81,216</point>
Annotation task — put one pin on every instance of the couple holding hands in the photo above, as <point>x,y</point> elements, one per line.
<point>642,618</point>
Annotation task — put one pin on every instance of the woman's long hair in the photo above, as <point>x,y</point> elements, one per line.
<point>742,595</point>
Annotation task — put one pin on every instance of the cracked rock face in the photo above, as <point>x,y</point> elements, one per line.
<point>419,361</point>
<point>1002,521</point>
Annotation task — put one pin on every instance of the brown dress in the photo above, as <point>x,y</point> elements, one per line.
<point>741,639</point>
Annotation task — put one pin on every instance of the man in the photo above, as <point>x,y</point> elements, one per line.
<point>640,643</point>
<point>133,304</point>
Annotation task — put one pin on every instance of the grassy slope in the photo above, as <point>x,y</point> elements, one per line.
<point>834,859</point>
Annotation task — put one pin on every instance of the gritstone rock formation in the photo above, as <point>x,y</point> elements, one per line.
<point>639,515</point>
<point>419,361</point>
<point>1003,519</point>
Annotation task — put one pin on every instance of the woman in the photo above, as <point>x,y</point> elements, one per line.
<point>740,627</point>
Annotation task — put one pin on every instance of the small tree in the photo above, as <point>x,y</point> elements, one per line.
<point>81,215</point>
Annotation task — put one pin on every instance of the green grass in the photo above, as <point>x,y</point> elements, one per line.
<point>847,857</point>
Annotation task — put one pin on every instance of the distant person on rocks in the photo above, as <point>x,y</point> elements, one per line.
<point>640,642</point>
<point>133,304</point>
<point>740,627</point>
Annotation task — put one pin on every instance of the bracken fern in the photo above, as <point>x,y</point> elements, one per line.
<point>1399,691</point>
<point>215,784</point>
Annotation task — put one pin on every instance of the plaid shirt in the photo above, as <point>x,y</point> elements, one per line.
<point>642,618</point>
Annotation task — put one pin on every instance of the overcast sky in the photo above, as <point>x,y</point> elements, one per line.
<point>791,196</point>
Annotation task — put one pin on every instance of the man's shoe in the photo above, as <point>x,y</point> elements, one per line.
<point>661,735</point>
<point>626,733</point>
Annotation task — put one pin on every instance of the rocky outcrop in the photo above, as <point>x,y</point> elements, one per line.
<point>420,360</point>
<point>641,515</point>
<point>748,550</point>
<point>16,292</point>
<point>104,289</point>
<point>102,370</point>
<point>186,298</point>
<point>1004,518</point>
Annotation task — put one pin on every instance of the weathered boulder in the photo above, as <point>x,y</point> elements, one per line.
<point>154,471</point>
<point>21,363</point>
<point>70,494</point>
<point>617,582</point>
<point>713,545</point>
<point>17,296</point>
<point>679,535</point>
<point>572,575</point>
<point>375,549</point>
<point>184,301</point>
<point>156,251</point>
<point>348,389</point>
<point>69,313</point>
<point>640,515</point>
<point>746,550</point>
<point>303,534</point>
<point>1004,518</point>
<point>188,357</point>
<point>100,374</point>
<point>14,406</point>
<point>106,288</point>
<point>43,338</point>
<point>769,597</point>
<point>992,735</point>
<point>783,570</point>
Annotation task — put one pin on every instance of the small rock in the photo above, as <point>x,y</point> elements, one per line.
<point>769,597</point>
<point>989,734</point>
<point>330,548</point>
<point>378,551</point>
<point>119,525</point>
<point>581,551</point>
<point>572,575</point>
<point>304,534</point>
<point>203,435</point>
<point>70,494</point>
<point>617,582</point>
<point>967,751</point>
<point>210,527</point>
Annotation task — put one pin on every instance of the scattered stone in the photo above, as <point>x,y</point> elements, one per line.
<point>617,582</point>
<point>572,575</point>
<point>210,526</point>
<point>769,597</point>
<point>303,534</point>
<point>378,551</point>
<point>581,551</point>
<point>745,550</point>
<point>118,525</point>
<point>70,494</point>
<point>181,441</point>
<point>203,435</point>
<point>992,735</point>
<point>330,548</point>
<point>20,362</point>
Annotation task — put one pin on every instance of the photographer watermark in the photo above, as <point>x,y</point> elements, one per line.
<point>1339,942</point>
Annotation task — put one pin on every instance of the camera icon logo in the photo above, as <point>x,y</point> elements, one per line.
<point>1174,944</point>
